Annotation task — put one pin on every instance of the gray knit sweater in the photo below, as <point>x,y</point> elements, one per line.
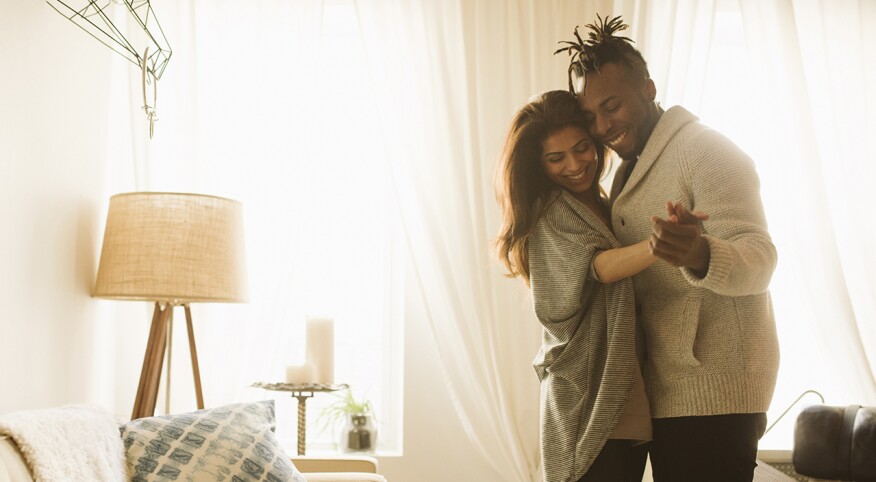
<point>711,342</point>
<point>588,361</point>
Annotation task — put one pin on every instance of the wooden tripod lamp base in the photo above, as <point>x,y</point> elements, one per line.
<point>153,361</point>
<point>174,249</point>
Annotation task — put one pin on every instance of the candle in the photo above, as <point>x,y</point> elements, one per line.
<point>301,374</point>
<point>320,348</point>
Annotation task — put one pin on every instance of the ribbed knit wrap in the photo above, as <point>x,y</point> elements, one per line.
<point>587,362</point>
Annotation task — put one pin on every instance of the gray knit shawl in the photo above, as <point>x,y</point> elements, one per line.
<point>587,361</point>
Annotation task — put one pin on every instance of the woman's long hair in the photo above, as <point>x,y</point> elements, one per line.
<point>521,185</point>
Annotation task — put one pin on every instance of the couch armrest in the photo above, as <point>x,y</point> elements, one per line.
<point>342,463</point>
<point>342,477</point>
<point>13,468</point>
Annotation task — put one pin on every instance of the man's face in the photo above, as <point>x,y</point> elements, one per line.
<point>620,106</point>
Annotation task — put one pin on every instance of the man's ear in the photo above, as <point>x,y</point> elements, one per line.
<point>649,89</point>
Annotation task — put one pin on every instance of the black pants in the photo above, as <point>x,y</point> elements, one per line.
<point>619,461</point>
<point>719,448</point>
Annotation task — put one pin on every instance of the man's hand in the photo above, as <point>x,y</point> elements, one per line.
<point>677,239</point>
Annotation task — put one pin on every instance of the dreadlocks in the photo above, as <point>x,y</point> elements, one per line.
<point>601,47</point>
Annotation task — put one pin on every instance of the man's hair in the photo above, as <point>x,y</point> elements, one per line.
<point>601,47</point>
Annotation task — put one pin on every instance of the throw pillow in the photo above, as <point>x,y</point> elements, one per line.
<point>234,443</point>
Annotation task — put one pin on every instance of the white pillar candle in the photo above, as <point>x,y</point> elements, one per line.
<point>301,374</point>
<point>321,348</point>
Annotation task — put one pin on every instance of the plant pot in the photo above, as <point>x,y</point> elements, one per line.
<point>358,435</point>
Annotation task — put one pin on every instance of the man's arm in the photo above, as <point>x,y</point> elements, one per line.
<point>721,180</point>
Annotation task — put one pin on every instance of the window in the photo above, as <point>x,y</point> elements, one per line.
<point>349,238</point>
<point>270,105</point>
<point>734,103</point>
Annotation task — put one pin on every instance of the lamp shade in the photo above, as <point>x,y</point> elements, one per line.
<point>172,247</point>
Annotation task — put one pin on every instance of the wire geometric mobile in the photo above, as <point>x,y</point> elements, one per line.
<point>94,16</point>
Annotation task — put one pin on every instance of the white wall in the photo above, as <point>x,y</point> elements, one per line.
<point>54,86</point>
<point>52,134</point>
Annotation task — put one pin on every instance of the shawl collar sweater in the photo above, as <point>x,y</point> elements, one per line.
<point>711,342</point>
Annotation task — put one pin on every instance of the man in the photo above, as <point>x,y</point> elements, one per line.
<point>712,350</point>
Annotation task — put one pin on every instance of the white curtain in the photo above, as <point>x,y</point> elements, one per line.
<point>450,75</point>
<point>814,65</point>
<point>254,106</point>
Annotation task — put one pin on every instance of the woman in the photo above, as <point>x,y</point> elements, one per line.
<point>556,235</point>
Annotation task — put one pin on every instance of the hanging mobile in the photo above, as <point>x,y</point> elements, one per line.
<point>148,76</point>
<point>145,35</point>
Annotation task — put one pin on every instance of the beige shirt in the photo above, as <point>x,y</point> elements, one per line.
<point>635,420</point>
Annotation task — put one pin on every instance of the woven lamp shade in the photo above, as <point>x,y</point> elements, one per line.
<point>172,247</point>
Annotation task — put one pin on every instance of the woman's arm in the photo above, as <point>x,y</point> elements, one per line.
<point>616,264</point>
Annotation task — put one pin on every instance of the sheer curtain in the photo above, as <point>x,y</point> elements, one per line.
<point>450,78</point>
<point>255,106</point>
<point>812,71</point>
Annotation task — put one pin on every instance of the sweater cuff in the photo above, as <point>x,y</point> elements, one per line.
<point>720,264</point>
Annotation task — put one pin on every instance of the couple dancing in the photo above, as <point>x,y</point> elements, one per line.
<point>658,331</point>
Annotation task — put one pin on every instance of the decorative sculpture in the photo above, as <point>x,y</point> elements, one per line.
<point>142,33</point>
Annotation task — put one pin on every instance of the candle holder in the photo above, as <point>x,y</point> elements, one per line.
<point>301,392</point>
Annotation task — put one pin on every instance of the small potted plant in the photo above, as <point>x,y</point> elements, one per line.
<point>358,432</point>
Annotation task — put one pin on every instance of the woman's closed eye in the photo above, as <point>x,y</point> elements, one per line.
<point>583,146</point>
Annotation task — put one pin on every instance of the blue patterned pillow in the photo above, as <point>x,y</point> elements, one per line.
<point>234,443</point>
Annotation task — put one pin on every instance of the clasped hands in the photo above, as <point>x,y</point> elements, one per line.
<point>677,239</point>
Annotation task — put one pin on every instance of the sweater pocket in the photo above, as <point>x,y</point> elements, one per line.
<point>688,332</point>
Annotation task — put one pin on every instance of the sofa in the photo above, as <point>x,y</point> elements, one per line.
<point>232,442</point>
<point>13,467</point>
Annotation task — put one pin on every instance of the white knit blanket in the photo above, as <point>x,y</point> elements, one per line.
<point>70,443</point>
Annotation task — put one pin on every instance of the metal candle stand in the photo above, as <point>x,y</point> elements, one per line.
<point>301,392</point>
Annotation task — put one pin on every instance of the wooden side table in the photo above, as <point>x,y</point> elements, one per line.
<point>301,392</point>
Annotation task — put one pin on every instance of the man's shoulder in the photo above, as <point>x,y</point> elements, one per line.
<point>692,135</point>
<point>675,125</point>
<point>679,124</point>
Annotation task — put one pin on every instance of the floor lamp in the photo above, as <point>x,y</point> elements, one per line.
<point>172,249</point>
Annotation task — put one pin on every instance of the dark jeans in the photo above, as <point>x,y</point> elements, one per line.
<point>718,448</point>
<point>619,461</point>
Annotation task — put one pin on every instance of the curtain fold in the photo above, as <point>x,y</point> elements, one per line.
<point>419,64</point>
<point>813,61</point>
<point>254,105</point>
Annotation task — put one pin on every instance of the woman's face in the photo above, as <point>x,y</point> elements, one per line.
<point>569,159</point>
